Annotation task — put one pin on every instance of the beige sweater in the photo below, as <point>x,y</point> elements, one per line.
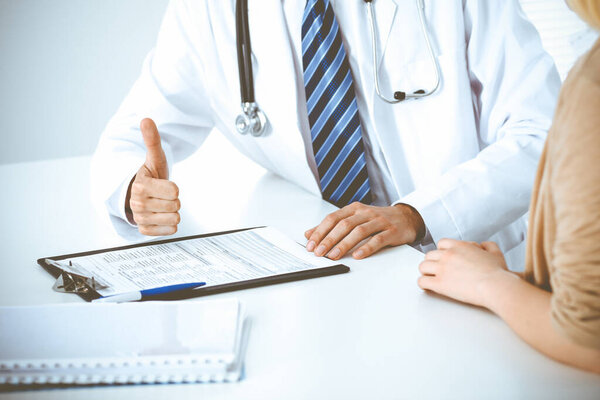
<point>563,250</point>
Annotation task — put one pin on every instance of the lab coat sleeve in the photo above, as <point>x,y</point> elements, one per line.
<point>515,86</point>
<point>170,90</point>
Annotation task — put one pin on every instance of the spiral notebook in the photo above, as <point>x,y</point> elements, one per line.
<point>147,342</point>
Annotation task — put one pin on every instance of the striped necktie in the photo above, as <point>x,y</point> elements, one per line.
<point>332,112</point>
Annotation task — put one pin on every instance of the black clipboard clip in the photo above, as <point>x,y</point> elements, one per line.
<point>70,282</point>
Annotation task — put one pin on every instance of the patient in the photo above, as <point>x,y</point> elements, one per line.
<point>555,305</point>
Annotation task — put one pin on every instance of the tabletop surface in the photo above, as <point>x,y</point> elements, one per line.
<point>368,334</point>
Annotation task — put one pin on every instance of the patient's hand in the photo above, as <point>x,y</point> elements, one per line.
<point>461,270</point>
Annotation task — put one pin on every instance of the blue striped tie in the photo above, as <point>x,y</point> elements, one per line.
<point>332,111</point>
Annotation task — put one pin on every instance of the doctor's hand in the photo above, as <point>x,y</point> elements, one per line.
<point>342,230</point>
<point>153,199</point>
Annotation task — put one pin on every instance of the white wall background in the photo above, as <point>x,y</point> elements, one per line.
<point>65,66</point>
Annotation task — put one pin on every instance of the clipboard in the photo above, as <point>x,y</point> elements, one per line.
<point>90,293</point>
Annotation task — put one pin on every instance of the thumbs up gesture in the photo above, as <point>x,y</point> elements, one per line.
<point>153,199</point>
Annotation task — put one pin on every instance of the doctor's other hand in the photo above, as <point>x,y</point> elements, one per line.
<point>343,229</point>
<point>153,200</point>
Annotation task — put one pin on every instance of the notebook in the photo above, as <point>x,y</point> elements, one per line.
<point>109,343</point>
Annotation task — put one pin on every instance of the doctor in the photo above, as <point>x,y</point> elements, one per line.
<point>457,163</point>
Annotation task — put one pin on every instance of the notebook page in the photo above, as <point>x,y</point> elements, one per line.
<point>60,334</point>
<point>216,260</point>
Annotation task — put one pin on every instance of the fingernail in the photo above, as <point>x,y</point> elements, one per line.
<point>310,246</point>
<point>358,254</point>
<point>320,250</point>
<point>334,254</point>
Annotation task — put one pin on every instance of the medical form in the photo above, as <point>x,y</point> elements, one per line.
<point>216,260</point>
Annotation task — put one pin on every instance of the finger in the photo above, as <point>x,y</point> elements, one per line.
<point>445,244</point>
<point>321,230</point>
<point>374,244</point>
<point>434,255</point>
<point>354,237</point>
<point>492,247</point>
<point>144,172</point>
<point>163,219</point>
<point>426,282</point>
<point>309,232</point>
<point>149,204</point>
<point>428,267</point>
<point>155,156</point>
<point>156,188</point>
<point>339,232</point>
<point>157,230</point>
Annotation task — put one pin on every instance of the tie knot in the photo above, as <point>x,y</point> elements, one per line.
<point>318,5</point>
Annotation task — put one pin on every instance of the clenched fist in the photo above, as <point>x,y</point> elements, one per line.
<point>152,200</point>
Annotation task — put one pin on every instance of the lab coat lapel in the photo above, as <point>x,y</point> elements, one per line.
<point>277,94</point>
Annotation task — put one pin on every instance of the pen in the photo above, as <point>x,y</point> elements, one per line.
<point>147,293</point>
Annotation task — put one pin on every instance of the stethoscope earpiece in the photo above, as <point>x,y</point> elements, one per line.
<point>399,96</point>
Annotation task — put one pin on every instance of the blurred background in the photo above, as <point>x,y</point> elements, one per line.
<point>66,65</point>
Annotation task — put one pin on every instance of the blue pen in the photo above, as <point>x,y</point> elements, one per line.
<point>147,293</point>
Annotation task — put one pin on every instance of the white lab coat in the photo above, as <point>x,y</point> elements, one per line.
<point>464,157</point>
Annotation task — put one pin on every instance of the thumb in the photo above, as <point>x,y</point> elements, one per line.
<point>156,161</point>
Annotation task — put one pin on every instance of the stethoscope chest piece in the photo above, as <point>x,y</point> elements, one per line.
<point>252,120</point>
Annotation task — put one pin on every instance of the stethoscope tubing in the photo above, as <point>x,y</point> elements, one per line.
<point>401,95</point>
<point>253,120</point>
<point>244,52</point>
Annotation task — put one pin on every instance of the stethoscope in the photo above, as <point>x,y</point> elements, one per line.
<point>252,120</point>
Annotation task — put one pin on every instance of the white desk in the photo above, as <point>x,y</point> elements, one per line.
<point>368,334</point>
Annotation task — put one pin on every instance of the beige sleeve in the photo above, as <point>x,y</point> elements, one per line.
<point>575,183</point>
